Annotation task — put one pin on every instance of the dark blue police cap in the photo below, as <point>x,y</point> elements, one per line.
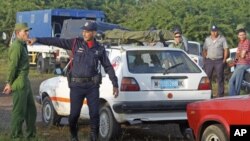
<point>214,28</point>
<point>89,26</point>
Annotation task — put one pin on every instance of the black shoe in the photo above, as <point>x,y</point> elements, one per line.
<point>74,139</point>
<point>93,137</point>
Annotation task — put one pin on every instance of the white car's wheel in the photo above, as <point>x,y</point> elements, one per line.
<point>214,132</point>
<point>109,128</point>
<point>49,115</point>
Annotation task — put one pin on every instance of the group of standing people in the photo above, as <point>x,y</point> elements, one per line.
<point>215,54</point>
<point>84,80</point>
<point>81,81</point>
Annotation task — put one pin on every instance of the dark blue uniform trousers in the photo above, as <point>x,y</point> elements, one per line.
<point>77,95</point>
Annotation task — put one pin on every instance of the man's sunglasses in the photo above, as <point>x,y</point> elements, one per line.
<point>177,36</point>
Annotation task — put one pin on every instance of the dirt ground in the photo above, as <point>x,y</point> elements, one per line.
<point>155,132</point>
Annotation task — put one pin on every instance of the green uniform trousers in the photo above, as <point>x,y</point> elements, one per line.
<point>24,109</point>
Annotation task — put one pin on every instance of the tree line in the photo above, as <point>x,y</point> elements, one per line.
<point>194,16</point>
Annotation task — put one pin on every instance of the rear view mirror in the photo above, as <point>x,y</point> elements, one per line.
<point>58,71</point>
<point>99,35</point>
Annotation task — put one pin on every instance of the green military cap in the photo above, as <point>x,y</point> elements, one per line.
<point>22,26</point>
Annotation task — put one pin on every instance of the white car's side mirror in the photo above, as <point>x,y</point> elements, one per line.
<point>58,71</point>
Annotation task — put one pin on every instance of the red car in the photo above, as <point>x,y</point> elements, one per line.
<point>210,120</point>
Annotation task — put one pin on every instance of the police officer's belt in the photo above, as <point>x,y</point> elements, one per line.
<point>81,80</point>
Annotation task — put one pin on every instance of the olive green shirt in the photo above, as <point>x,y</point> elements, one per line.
<point>180,46</point>
<point>18,61</point>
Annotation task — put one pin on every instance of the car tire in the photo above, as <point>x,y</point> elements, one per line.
<point>42,64</point>
<point>109,128</point>
<point>214,132</point>
<point>49,115</point>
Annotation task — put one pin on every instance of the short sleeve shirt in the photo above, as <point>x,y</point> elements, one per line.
<point>215,48</point>
<point>244,46</point>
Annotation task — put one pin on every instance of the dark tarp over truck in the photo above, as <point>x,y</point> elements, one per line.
<point>71,29</point>
<point>139,36</point>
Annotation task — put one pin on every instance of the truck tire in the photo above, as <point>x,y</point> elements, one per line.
<point>109,128</point>
<point>49,115</point>
<point>42,64</point>
<point>214,132</point>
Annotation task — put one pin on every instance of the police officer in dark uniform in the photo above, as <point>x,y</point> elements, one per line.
<point>84,80</point>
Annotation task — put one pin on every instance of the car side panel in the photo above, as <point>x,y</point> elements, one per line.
<point>226,112</point>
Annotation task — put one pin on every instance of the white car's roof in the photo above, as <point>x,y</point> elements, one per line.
<point>233,50</point>
<point>193,42</point>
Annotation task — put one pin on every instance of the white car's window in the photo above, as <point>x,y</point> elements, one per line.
<point>232,55</point>
<point>160,62</point>
<point>193,49</point>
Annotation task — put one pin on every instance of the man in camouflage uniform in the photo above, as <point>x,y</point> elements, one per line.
<point>19,85</point>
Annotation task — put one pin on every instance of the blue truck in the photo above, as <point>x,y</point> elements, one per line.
<point>48,23</point>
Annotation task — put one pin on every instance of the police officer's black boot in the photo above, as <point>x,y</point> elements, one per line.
<point>94,134</point>
<point>93,137</point>
<point>74,138</point>
<point>73,131</point>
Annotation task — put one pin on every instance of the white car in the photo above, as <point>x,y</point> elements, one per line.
<point>155,83</point>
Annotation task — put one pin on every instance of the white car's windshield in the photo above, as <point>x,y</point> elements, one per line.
<point>160,61</point>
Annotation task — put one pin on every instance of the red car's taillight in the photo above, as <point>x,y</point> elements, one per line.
<point>129,84</point>
<point>204,84</point>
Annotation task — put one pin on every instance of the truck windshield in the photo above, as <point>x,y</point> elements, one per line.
<point>149,61</point>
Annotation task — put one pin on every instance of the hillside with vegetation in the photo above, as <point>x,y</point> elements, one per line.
<point>194,16</point>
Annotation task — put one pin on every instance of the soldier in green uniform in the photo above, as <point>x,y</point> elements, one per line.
<point>19,85</point>
<point>178,40</point>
